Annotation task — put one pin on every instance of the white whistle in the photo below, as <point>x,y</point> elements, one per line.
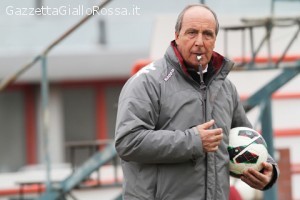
<point>199,57</point>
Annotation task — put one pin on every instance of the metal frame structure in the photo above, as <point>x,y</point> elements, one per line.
<point>64,188</point>
<point>262,98</point>
<point>269,23</point>
<point>45,86</point>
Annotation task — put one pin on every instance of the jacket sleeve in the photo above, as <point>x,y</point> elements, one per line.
<point>136,136</point>
<point>240,119</point>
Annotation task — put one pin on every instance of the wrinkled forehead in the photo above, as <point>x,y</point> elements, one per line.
<point>199,15</point>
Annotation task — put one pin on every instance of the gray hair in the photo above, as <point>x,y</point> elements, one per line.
<point>180,17</point>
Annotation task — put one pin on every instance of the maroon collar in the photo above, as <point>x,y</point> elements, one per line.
<point>216,60</point>
<point>179,57</point>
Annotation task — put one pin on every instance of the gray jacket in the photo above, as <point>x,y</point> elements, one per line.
<point>161,151</point>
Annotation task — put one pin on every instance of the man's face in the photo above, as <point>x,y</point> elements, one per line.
<point>197,36</point>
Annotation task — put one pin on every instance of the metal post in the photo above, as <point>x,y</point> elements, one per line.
<point>225,43</point>
<point>267,130</point>
<point>39,4</point>
<point>45,119</point>
<point>102,32</point>
<point>243,46</point>
<point>269,28</point>
<point>272,7</point>
<point>252,42</point>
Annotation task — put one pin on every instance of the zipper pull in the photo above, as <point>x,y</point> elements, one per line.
<point>202,84</point>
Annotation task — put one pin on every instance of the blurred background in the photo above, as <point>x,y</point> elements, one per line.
<point>86,72</point>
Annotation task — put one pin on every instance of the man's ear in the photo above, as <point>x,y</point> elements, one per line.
<point>176,35</point>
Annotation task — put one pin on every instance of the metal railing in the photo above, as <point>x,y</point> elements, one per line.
<point>44,82</point>
<point>262,98</point>
<point>94,162</point>
<point>10,79</point>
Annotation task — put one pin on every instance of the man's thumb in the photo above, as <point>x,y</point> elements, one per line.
<point>208,124</point>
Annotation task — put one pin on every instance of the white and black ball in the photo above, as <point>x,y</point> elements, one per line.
<point>247,149</point>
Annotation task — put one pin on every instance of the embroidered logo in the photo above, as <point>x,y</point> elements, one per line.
<point>169,75</point>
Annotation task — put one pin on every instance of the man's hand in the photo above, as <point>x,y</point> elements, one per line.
<point>211,138</point>
<point>257,179</point>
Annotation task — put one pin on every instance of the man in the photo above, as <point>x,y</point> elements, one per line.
<point>173,125</point>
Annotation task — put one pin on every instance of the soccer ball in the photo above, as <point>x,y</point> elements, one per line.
<point>247,149</point>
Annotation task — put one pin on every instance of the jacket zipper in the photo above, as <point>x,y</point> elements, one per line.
<point>203,90</point>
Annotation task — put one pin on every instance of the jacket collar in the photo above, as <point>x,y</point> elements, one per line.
<point>217,61</point>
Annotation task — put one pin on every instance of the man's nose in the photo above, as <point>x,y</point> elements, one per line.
<point>199,40</point>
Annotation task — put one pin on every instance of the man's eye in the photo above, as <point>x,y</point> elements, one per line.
<point>208,35</point>
<point>192,33</point>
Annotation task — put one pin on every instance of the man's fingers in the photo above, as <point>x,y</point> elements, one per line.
<point>268,168</point>
<point>211,138</point>
<point>254,175</point>
<point>256,179</point>
<point>212,144</point>
<point>215,138</point>
<point>214,132</point>
<point>216,141</point>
